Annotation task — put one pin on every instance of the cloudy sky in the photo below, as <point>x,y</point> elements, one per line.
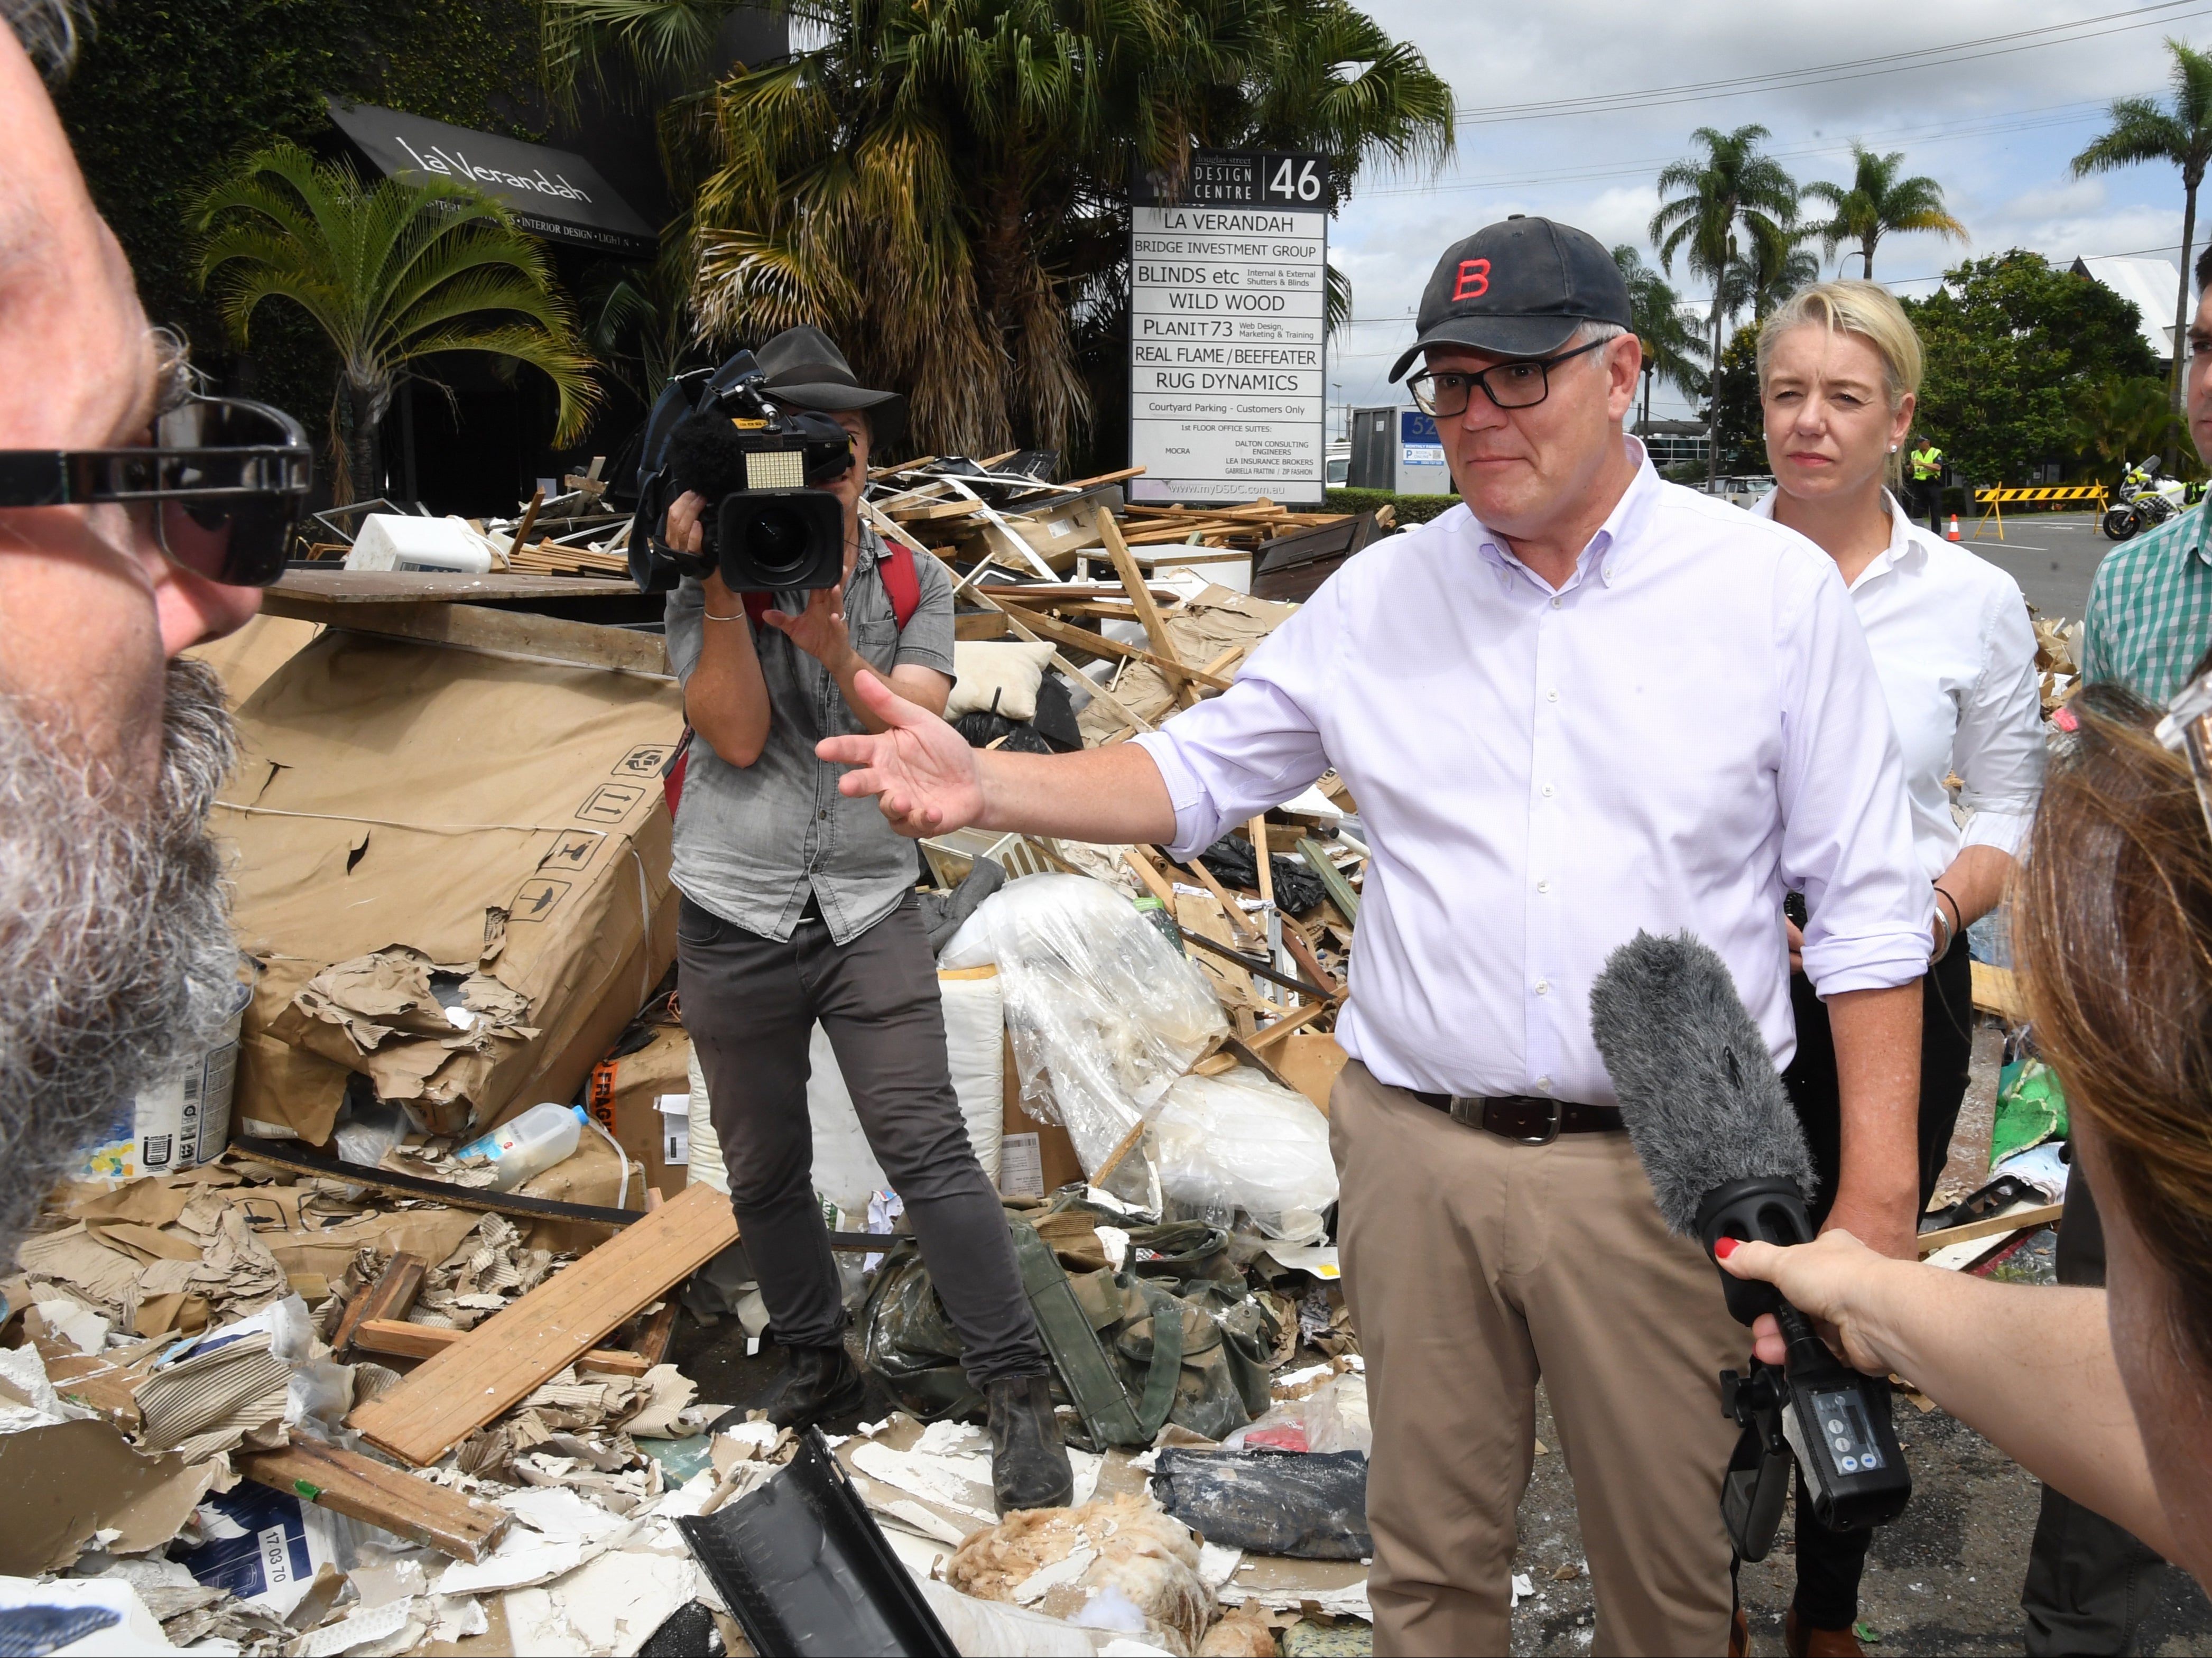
<point>1996,125</point>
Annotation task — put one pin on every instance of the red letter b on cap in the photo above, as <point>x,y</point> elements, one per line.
<point>1474,280</point>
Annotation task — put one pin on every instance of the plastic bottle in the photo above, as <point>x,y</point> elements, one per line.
<point>528,1144</point>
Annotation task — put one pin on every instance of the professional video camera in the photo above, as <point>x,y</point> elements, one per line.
<point>721,434</point>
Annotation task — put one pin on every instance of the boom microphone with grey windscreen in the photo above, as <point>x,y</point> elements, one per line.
<point>1726,1156</point>
<point>1705,1107</point>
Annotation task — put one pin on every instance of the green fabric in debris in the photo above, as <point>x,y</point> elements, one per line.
<point>2030,1109</point>
<point>1348,1637</point>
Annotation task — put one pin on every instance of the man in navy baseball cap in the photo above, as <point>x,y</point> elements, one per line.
<point>1494,1224</point>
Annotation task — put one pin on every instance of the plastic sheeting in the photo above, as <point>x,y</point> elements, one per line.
<point>1241,1141</point>
<point>846,1171</point>
<point>1104,1015</point>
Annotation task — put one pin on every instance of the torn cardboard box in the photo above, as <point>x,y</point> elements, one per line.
<point>453,873</point>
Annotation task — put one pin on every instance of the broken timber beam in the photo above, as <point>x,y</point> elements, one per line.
<point>504,1359</point>
<point>404,1340</point>
<point>391,1296</point>
<point>361,1488</point>
<point>1148,612</point>
<point>1082,639</point>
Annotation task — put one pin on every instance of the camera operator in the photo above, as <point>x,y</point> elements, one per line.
<point>799,906</point>
<point>2103,1393</point>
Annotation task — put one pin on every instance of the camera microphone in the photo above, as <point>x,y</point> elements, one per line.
<point>704,451</point>
<point>1726,1156</point>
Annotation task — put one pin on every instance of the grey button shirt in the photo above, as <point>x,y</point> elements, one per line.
<point>753,841</point>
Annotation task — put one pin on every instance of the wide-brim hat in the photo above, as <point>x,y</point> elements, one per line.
<point>805,368</point>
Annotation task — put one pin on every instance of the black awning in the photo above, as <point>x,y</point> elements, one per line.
<point>554,193</point>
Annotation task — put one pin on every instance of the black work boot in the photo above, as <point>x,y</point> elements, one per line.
<point>818,1384</point>
<point>1029,1463</point>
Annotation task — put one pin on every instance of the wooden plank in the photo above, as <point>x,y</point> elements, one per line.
<point>521,538</point>
<point>337,586</point>
<point>1310,1062</point>
<point>1283,1027</point>
<point>405,1340</point>
<point>1154,881</point>
<point>1082,639</point>
<point>391,1296</point>
<point>1302,952</point>
<point>1229,908</point>
<point>1990,1226</point>
<point>505,1359</point>
<point>1202,917</point>
<point>1170,660</point>
<point>1339,890</point>
<point>348,1483</point>
<point>502,633</point>
<point>1098,690</point>
<point>1996,990</point>
<point>1256,832</point>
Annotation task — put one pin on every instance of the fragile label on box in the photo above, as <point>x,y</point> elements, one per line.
<point>675,1129</point>
<point>1021,1167</point>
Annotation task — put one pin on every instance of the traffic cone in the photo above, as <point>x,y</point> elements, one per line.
<point>1955,527</point>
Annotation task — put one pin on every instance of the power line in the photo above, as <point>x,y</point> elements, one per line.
<point>1958,51</point>
<point>1983,126</point>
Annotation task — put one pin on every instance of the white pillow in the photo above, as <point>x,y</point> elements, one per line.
<point>997,677</point>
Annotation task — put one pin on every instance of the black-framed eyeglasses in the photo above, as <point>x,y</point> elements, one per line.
<point>220,490</point>
<point>1521,383</point>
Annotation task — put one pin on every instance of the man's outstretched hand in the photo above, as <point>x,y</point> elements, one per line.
<point>922,771</point>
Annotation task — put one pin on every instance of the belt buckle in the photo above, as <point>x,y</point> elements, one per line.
<point>1551,1131</point>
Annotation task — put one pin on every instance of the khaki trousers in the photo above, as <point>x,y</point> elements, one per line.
<point>1474,1266</point>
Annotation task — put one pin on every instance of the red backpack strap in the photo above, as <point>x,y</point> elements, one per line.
<point>901,582</point>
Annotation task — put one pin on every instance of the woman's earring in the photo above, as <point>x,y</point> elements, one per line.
<point>1892,448</point>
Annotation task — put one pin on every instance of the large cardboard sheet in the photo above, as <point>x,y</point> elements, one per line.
<point>418,826</point>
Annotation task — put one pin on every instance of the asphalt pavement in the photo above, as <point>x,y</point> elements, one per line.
<point>2052,555</point>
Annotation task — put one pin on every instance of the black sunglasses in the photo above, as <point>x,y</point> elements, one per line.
<point>220,490</point>
<point>1521,384</point>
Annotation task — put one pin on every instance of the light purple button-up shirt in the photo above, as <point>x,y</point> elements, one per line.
<point>1690,726</point>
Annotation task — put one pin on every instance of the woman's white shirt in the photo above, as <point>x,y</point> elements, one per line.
<point>1956,657</point>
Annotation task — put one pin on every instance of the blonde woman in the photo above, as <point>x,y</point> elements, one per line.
<point>1839,371</point>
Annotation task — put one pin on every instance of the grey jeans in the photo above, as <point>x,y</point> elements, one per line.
<point>751,1004</point>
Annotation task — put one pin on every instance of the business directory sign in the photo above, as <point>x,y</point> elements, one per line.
<point>1228,276</point>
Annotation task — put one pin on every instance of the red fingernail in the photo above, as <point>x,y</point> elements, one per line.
<point>1726,1248</point>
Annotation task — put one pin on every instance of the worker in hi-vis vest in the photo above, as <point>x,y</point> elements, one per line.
<point>1925,492</point>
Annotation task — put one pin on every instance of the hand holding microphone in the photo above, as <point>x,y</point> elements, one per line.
<point>1727,1163</point>
<point>1835,1279</point>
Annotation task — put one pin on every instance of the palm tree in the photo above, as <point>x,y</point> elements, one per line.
<point>664,41</point>
<point>1733,183</point>
<point>1777,267</point>
<point>1671,349</point>
<point>392,276</point>
<point>2143,132</point>
<point>944,187</point>
<point>1878,202</point>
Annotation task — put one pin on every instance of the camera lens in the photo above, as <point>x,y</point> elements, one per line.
<point>777,541</point>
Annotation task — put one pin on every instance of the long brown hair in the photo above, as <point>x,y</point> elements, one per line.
<point>2114,928</point>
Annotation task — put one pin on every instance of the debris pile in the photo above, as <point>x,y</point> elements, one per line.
<point>322,1388</point>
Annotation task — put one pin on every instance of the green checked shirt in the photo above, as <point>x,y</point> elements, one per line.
<point>2150,608</point>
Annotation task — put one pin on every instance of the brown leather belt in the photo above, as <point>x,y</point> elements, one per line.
<point>1529,1118</point>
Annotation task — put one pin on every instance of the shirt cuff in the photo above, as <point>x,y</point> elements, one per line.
<point>1197,825</point>
<point>1879,961</point>
<point>2004,831</point>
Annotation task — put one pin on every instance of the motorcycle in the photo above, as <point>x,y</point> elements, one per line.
<point>2145,501</point>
